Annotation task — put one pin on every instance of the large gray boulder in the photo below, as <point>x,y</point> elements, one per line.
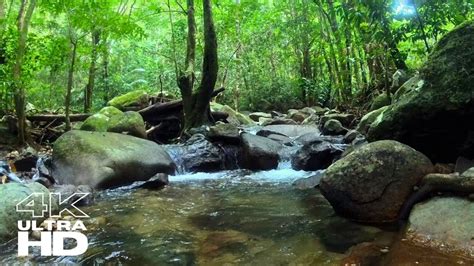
<point>445,224</point>
<point>202,156</point>
<point>315,156</point>
<point>259,153</point>
<point>103,160</point>
<point>372,183</point>
<point>10,195</point>
<point>436,116</point>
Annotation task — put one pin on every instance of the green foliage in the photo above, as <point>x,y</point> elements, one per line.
<point>272,54</point>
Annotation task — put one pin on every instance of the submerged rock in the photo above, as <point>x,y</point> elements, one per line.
<point>435,116</point>
<point>372,183</point>
<point>445,224</point>
<point>315,156</point>
<point>104,160</point>
<point>308,182</point>
<point>259,153</point>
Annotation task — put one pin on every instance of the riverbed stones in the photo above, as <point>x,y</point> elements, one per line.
<point>259,153</point>
<point>257,115</point>
<point>202,156</point>
<point>315,156</point>
<point>104,160</point>
<point>345,119</point>
<point>333,127</point>
<point>291,131</point>
<point>227,133</point>
<point>445,224</point>
<point>10,195</point>
<point>372,183</point>
<point>434,118</point>
<point>234,117</point>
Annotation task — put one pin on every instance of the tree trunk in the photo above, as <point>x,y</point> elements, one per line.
<point>196,103</point>
<point>23,21</point>
<point>2,12</point>
<point>70,80</point>
<point>92,69</point>
<point>105,65</point>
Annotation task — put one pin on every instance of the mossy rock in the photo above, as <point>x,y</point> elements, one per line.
<point>380,101</point>
<point>97,122</point>
<point>10,195</point>
<point>235,117</point>
<point>436,117</point>
<point>129,122</point>
<point>104,160</point>
<point>111,119</point>
<point>367,120</point>
<point>138,98</point>
<point>372,183</point>
<point>110,111</point>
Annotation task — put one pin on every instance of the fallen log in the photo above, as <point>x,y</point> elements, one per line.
<point>162,108</point>
<point>58,118</point>
<point>168,107</point>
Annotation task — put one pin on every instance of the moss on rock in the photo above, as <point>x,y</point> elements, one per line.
<point>134,98</point>
<point>110,111</point>
<point>129,122</point>
<point>97,122</point>
<point>435,117</point>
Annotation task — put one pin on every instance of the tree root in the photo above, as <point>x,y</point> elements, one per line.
<point>433,184</point>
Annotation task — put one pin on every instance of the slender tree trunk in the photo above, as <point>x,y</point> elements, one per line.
<point>23,21</point>
<point>196,103</point>
<point>2,13</point>
<point>70,80</point>
<point>92,69</point>
<point>105,65</point>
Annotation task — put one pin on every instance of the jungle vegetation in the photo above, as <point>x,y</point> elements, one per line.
<point>74,56</point>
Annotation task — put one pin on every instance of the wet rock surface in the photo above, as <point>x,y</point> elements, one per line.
<point>259,153</point>
<point>372,183</point>
<point>445,224</point>
<point>202,156</point>
<point>315,156</point>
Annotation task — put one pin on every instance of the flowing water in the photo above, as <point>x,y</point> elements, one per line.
<point>234,217</point>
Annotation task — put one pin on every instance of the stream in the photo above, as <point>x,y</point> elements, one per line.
<point>236,217</point>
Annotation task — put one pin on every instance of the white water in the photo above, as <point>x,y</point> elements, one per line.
<point>286,175</point>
